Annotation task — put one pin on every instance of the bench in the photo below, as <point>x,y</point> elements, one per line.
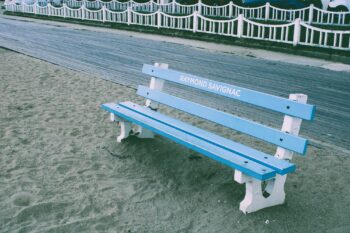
<point>264,175</point>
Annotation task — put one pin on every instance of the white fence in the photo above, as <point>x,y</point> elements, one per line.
<point>313,36</point>
<point>311,14</point>
<point>296,32</point>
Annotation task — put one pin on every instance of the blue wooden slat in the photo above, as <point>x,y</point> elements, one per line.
<point>282,167</point>
<point>219,154</point>
<point>260,131</point>
<point>286,106</point>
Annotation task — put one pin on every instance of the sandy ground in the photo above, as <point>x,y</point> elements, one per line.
<point>61,169</point>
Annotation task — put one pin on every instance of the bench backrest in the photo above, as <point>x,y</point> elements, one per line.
<point>281,138</point>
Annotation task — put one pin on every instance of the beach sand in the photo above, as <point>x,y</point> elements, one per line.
<point>61,169</point>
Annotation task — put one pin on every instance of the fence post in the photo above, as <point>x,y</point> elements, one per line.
<point>240,26</point>
<point>151,5</point>
<point>159,19</point>
<point>34,7</point>
<point>199,7</point>
<point>311,13</point>
<point>48,9</point>
<point>267,11</point>
<point>173,5</point>
<point>22,3</point>
<point>296,36</point>
<point>83,11</point>
<point>195,21</point>
<point>129,15</point>
<point>104,13</point>
<point>64,10</point>
<point>230,9</point>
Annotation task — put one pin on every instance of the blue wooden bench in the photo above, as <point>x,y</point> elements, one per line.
<point>253,167</point>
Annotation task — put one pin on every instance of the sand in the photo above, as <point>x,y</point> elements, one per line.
<point>62,171</point>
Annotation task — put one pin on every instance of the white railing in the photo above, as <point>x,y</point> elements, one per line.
<point>56,11</point>
<point>94,15</point>
<point>176,22</point>
<point>143,19</point>
<point>295,33</point>
<point>145,7</point>
<point>41,10</point>
<point>73,13</point>
<point>74,3</point>
<point>116,6</point>
<point>330,18</point>
<point>278,33</point>
<point>278,14</point>
<point>216,11</point>
<point>312,36</point>
<point>220,27</point>
<point>250,12</point>
<point>184,9</point>
<point>167,8</point>
<point>27,9</point>
<point>93,4</point>
<point>116,17</point>
<point>310,14</point>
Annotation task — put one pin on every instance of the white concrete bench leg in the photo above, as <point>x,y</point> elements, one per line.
<point>112,117</point>
<point>125,130</point>
<point>125,127</point>
<point>254,199</point>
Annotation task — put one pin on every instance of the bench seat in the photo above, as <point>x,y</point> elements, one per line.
<point>237,156</point>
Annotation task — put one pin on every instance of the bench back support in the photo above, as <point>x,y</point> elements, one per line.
<point>271,135</point>
<point>295,108</point>
<point>275,103</point>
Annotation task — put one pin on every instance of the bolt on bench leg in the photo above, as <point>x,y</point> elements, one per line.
<point>254,199</point>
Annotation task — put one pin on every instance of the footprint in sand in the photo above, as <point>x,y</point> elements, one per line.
<point>22,199</point>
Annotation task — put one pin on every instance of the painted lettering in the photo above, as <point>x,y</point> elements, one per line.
<point>210,85</point>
